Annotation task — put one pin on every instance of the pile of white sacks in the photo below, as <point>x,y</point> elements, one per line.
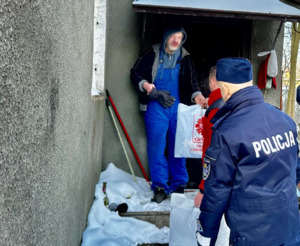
<point>107,228</point>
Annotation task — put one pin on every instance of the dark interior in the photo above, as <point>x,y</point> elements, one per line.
<point>209,39</point>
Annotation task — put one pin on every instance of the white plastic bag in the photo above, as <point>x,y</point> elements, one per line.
<point>189,138</point>
<point>183,223</point>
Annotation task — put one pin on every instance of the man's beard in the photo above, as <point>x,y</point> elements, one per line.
<point>172,48</point>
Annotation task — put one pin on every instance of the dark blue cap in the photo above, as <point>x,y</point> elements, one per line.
<point>234,70</point>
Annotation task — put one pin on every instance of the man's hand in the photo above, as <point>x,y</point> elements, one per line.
<point>198,199</point>
<point>200,99</point>
<point>206,102</point>
<point>163,97</point>
<point>148,87</point>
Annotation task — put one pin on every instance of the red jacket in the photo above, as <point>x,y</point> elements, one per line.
<point>207,131</point>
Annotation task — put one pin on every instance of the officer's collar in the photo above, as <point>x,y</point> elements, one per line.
<point>243,98</point>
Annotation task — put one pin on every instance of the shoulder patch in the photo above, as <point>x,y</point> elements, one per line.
<point>206,168</point>
<point>210,157</point>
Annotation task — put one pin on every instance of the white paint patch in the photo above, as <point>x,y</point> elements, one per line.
<point>99,49</point>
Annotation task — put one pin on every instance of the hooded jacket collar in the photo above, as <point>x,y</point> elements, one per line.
<point>170,60</point>
<point>156,49</point>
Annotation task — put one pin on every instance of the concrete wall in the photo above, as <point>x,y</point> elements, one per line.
<point>263,36</point>
<point>50,130</point>
<point>123,46</point>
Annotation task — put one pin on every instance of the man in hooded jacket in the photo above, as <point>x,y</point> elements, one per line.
<point>165,76</point>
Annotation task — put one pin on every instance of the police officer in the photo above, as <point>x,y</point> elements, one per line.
<point>250,166</point>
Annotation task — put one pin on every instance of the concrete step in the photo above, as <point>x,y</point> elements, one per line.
<point>160,219</point>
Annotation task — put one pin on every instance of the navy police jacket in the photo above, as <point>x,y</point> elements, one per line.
<point>250,171</point>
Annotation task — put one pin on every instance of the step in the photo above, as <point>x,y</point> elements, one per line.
<point>158,218</point>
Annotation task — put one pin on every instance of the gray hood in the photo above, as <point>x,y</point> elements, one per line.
<point>170,60</point>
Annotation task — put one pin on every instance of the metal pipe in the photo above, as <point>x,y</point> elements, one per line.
<point>123,146</point>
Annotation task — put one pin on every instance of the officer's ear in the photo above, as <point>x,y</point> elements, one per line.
<point>212,81</point>
<point>211,84</point>
<point>214,84</point>
<point>225,91</point>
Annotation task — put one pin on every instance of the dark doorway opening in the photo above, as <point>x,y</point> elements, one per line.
<point>208,40</point>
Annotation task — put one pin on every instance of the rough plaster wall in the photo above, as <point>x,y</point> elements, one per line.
<point>263,35</point>
<point>50,130</point>
<point>122,49</point>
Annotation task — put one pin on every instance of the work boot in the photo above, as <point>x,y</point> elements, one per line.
<point>159,195</point>
<point>180,189</point>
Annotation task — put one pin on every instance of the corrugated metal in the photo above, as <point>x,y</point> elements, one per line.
<point>249,9</point>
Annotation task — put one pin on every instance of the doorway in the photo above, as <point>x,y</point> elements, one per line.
<point>208,40</point>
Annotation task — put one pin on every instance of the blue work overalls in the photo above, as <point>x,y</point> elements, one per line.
<point>166,171</point>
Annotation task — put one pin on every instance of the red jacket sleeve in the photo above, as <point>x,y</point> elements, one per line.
<point>207,133</point>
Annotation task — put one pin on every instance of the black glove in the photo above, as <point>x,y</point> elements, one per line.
<point>163,97</point>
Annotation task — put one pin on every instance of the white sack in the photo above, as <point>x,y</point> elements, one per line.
<point>189,138</point>
<point>183,223</point>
